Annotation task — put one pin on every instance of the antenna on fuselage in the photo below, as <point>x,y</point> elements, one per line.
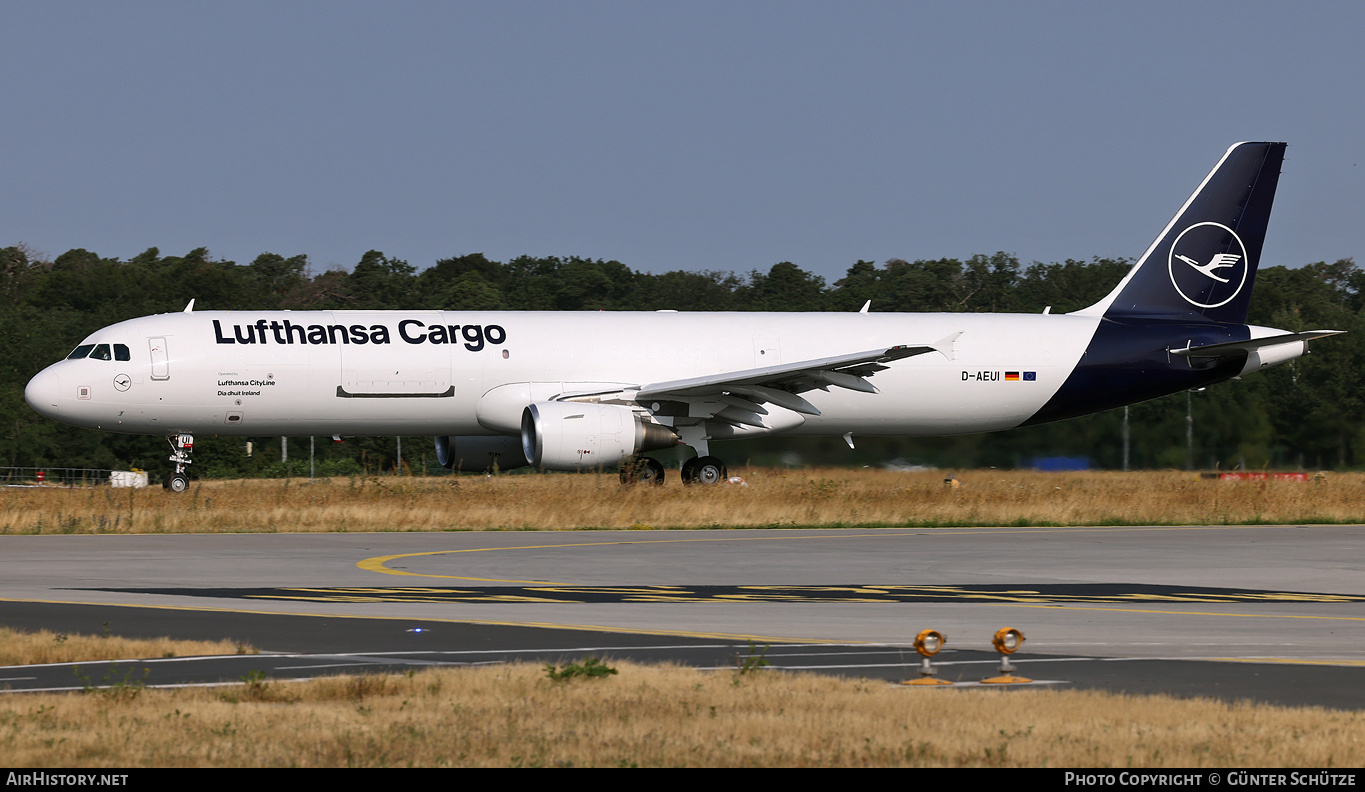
<point>190,308</point>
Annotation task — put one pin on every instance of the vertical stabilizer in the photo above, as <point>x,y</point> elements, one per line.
<point>1203,264</point>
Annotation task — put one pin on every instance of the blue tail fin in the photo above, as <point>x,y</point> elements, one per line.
<point>1203,264</point>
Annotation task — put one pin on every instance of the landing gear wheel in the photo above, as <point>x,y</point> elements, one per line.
<point>642,470</point>
<point>182,445</point>
<point>710,470</point>
<point>705,470</point>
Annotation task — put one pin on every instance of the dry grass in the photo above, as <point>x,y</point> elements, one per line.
<point>32,648</point>
<point>771,498</point>
<point>660,717</point>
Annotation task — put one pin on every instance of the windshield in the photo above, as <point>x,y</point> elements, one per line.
<point>100,352</point>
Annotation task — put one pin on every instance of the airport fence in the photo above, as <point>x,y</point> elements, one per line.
<point>53,476</point>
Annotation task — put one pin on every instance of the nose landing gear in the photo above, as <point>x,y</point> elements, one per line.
<point>182,445</point>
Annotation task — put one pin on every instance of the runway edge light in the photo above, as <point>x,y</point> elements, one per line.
<point>1006,641</point>
<point>928,643</point>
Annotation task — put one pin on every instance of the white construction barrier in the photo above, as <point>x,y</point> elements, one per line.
<point>127,478</point>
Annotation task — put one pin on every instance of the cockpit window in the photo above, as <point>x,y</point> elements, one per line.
<point>100,352</point>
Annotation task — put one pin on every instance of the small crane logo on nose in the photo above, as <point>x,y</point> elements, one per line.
<point>123,382</point>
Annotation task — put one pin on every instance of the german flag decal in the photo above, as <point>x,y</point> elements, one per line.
<point>1011,376</point>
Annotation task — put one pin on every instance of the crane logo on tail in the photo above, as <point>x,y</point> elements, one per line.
<point>1208,265</point>
<point>1210,269</point>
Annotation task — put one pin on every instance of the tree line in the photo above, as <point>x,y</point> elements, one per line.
<point>1306,414</point>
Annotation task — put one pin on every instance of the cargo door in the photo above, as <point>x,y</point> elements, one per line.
<point>397,370</point>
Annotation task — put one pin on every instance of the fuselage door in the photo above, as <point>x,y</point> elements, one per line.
<point>397,370</point>
<point>161,366</point>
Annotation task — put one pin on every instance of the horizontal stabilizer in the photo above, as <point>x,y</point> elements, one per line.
<point>1233,348</point>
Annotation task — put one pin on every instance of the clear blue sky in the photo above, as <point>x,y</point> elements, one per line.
<point>680,135</point>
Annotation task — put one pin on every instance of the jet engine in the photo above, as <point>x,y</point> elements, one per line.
<point>576,435</point>
<point>480,453</point>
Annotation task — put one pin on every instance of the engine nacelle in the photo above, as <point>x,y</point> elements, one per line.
<point>579,435</point>
<point>480,453</point>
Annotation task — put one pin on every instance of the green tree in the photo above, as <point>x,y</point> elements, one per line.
<point>276,274</point>
<point>922,285</point>
<point>859,284</point>
<point>381,283</point>
<point>785,287</point>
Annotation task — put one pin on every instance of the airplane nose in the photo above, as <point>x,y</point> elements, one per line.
<point>42,391</point>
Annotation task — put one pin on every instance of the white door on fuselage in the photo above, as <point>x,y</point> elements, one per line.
<point>161,367</point>
<point>396,370</point>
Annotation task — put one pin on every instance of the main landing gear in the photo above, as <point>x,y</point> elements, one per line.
<point>704,470</point>
<point>642,470</point>
<point>182,445</point>
<point>697,470</point>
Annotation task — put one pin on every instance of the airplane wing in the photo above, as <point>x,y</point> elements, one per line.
<point>1235,348</point>
<point>749,389</point>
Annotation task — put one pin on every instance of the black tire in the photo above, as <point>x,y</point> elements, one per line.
<point>178,483</point>
<point>709,470</point>
<point>689,470</point>
<point>642,470</point>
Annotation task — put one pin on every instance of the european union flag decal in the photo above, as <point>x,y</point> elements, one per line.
<point>1030,376</point>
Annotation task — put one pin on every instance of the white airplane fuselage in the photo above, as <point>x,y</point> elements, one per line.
<point>218,373</point>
